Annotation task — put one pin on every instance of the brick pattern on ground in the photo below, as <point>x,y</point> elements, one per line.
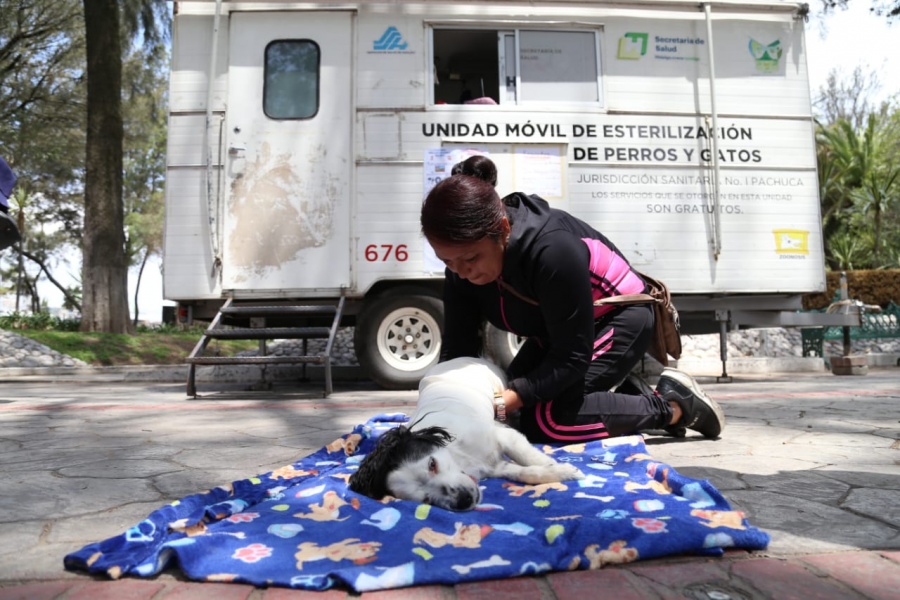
<point>869,575</point>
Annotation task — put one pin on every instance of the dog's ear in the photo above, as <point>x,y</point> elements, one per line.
<point>435,436</point>
<point>371,477</point>
<point>394,447</point>
<point>430,436</point>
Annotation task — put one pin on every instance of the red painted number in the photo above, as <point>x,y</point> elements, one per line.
<point>386,252</point>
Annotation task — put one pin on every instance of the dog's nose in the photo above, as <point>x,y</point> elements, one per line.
<point>465,500</point>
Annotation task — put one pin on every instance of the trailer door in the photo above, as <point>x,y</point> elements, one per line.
<point>287,170</point>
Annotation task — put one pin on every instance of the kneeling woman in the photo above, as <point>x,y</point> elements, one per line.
<point>535,271</point>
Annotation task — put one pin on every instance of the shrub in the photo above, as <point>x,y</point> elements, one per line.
<point>39,321</point>
<point>876,286</point>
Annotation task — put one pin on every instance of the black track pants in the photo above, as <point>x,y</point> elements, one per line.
<point>589,411</point>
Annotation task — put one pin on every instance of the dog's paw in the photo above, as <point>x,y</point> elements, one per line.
<point>545,461</point>
<point>568,472</point>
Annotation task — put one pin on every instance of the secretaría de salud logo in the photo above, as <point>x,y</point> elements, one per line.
<point>766,57</point>
<point>633,46</point>
<point>390,41</point>
<point>666,46</point>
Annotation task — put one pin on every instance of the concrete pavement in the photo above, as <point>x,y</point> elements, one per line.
<point>812,458</point>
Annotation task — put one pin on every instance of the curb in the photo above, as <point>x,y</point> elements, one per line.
<point>179,373</point>
<point>315,373</point>
<point>785,364</point>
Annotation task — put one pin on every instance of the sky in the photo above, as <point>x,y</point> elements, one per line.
<point>849,38</point>
<point>842,40</point>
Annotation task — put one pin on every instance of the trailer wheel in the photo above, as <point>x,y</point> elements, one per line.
<point>398,337</point>
<point>501,346</point>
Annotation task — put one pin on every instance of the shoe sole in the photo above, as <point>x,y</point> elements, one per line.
<point>690,383</point>
<point>676,431</point>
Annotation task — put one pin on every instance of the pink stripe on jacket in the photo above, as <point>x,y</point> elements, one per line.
<point>610,275</point>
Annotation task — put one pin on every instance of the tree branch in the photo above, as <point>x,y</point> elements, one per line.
<point>72,300</point>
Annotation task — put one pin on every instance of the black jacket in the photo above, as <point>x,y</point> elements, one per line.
<point>545,261</point>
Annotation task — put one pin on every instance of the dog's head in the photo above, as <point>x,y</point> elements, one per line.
<point>416,465</point>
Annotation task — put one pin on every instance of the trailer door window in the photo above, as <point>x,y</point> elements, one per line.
<point>291,85</point>
<point>518,66</point>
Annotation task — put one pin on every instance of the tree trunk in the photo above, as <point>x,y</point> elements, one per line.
<point>104,266</point>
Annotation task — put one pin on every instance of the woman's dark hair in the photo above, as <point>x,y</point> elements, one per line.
<point>462,209</point>
<point>477,166</point>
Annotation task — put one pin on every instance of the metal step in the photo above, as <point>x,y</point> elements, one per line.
<point>257,315</point>
<point>254,360</point>
<point>263,311</point>
<point>268,333</point>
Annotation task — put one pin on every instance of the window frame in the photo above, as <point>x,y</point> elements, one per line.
<point>597,87</point>
<point>502,30</point>
<point>318,75</point>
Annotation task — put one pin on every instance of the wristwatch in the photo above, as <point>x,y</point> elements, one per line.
<point>499,409</point>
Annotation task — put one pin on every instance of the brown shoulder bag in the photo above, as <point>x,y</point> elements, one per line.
<point>667,335</point>
<point>667,331</point>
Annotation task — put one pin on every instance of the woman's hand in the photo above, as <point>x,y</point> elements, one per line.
<point>512,401</point>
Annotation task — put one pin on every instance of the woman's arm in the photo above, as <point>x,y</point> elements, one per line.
<point>462,319</point>
<point>563,288</point>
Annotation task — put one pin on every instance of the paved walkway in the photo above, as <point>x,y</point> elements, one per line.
<point>812,458</point>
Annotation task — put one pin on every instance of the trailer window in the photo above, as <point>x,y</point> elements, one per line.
<point>517,66</point>
<point>291,86</point>
<point>558,65</point>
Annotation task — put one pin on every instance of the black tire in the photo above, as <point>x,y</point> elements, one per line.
<point>398,337</point>
<point>501,346</point>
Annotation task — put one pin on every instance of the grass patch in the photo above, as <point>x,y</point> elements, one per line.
<point>141,348</point>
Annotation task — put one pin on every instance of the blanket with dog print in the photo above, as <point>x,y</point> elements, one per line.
<point>301,527</point>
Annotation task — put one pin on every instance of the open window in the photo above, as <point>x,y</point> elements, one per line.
<point>516,66</point>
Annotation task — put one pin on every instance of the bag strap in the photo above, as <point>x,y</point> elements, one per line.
<point>623,299</point>
<point>515,293</point>
<point>626,299</point>
<point>658,286</point>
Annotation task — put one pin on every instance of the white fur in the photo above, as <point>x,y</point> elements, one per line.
<point>458,395</point>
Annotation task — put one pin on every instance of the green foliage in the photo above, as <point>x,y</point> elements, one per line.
<point>889,9</point>
<point>42,125</point>
<point>879,287</point>
<point>40,321</point>
<point>860,191</point>
<point>892,257</point>
<point>172,328</point>
<point>159,346</point>
<point>42,120</point>
<point>849,97</point>
<point>845,250</point>
<point>43,131</point>
<point>145,113</point>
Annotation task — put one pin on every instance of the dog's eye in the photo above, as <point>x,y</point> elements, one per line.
<point>432,466</point>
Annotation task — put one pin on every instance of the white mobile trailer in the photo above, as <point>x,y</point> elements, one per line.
<point>296,170</point>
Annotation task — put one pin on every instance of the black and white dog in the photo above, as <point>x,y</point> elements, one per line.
<point>453,442</point>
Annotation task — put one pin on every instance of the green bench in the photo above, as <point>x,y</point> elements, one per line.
<point>875,325</point>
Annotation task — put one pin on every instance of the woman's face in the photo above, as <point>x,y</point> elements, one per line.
<point>479,262</point>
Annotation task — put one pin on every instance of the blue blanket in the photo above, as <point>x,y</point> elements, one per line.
<point>301,527</point>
